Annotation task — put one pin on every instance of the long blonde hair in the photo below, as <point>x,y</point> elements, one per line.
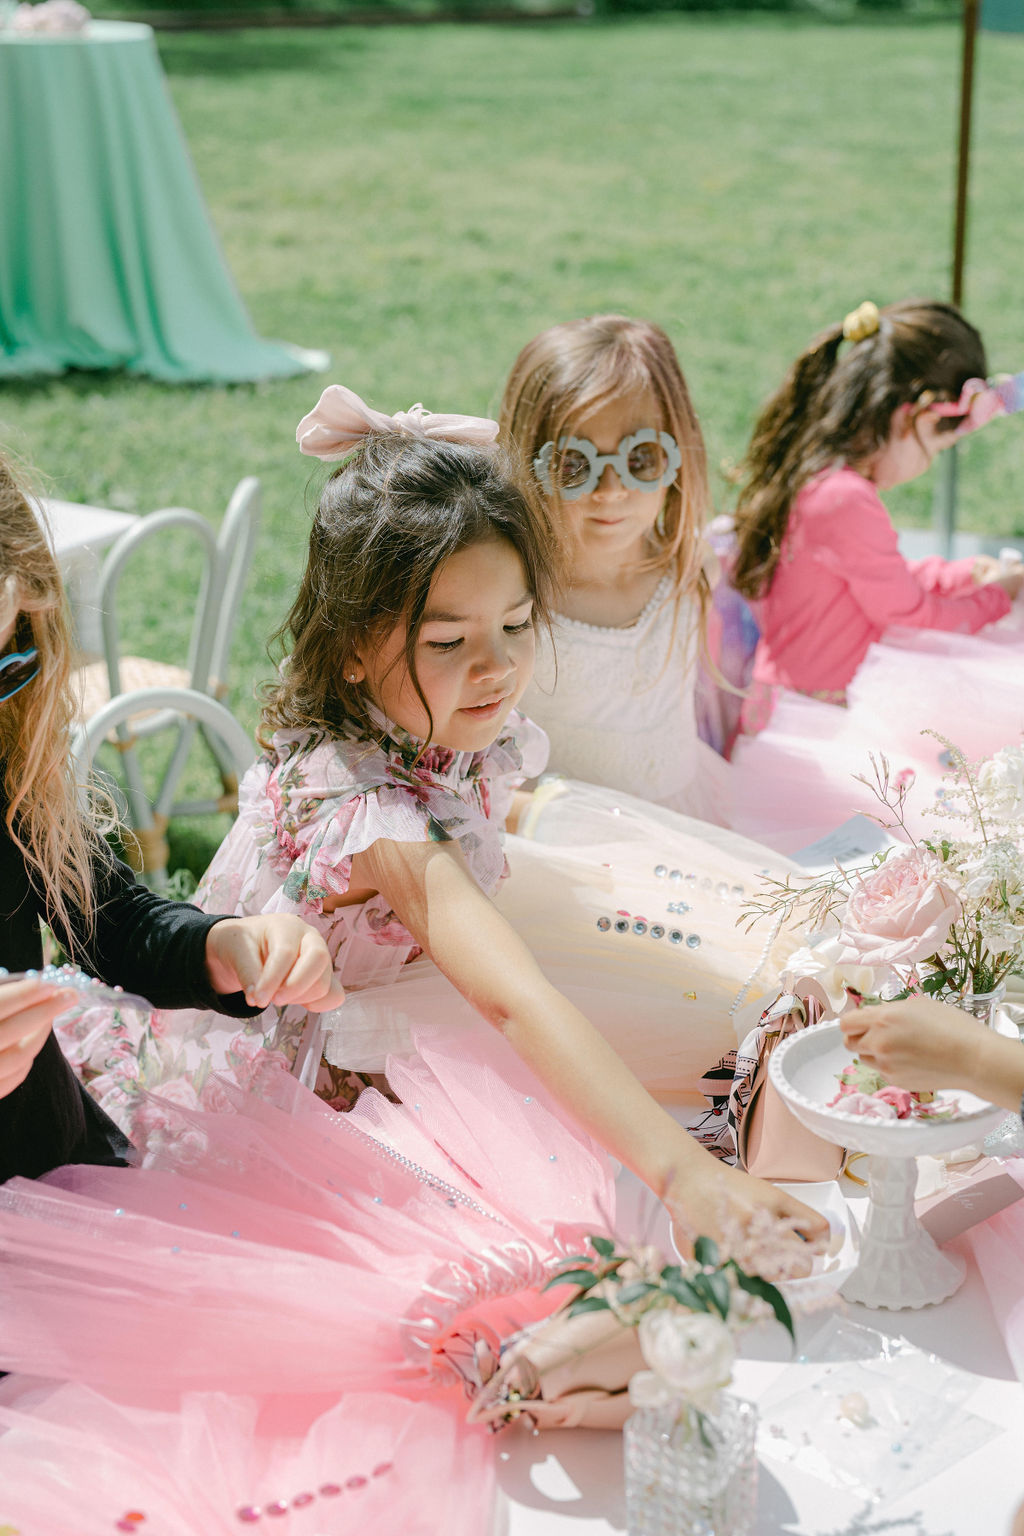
<point>42,811</point>
<point>574,370</point>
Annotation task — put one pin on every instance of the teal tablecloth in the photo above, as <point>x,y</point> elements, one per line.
<point>107,255</point>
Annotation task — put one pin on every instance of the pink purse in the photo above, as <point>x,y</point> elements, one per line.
<point>771,1143</point>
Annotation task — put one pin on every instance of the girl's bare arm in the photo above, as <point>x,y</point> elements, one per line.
<point>429,887</point>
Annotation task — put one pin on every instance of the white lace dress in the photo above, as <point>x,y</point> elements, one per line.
<point>618,708</point>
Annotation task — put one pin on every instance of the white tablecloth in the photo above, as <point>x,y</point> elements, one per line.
<point>569,1482</point>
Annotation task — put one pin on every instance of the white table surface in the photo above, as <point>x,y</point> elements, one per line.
<point>79,534</point>
<point>569,1482</point>
<point>76,526</point>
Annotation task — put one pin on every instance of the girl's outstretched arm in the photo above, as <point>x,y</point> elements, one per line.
<point>430,889</point>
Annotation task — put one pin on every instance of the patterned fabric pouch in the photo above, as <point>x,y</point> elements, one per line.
<point>770,1141</point>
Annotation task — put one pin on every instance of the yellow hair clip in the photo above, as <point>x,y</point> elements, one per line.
<point>861,322</point>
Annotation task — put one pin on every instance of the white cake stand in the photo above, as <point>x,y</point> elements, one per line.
<point>899,1264</point>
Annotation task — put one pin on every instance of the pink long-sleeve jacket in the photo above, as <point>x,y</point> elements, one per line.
<point>841,582</point>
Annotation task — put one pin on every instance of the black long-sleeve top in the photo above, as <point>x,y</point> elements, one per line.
<point>141,942</point>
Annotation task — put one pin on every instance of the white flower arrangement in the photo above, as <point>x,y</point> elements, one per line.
<point>943,915</point>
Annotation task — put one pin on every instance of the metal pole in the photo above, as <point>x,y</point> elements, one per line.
<point>944,502</point>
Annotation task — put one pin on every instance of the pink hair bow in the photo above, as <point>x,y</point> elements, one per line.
<point>340,420</point>
<point>981,400</point>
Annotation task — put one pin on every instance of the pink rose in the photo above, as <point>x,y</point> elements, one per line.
<point>900,914</point>
<point>901,1101</point>
<point>867,1104</point>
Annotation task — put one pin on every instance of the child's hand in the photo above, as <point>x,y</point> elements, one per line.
<point>275,958</point>
<point>916,1043</point>
<point>27,1009</point>
<point>719,1200</point>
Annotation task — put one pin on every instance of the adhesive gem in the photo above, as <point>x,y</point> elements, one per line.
<point>657,931</point>
<point>621,925</point>
<point>660,871</point>
<point>356,1482</point>
<point>236,1233</point>
<point>528,1099</point>
<point>302,1499</point>
<point>135,1516</point>
<point>182,1205</point>
<point>722,891</point>
<point>693,941</point>
<point>640,926</point>
<point>382,1468</point>
<point>553,1158</point>
<point>377,1200</point>
<point>279,1507</point>
<point>249,1514</point>
<point>330,1490</point>
<point>176,1248</point>
<point>604,923</point>
<point>119,1211</point>
<point>675,937</point>
<point>691,997</point>
<point>676,876</point>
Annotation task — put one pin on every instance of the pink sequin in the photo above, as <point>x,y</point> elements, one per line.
<point>249,1514</point>
<point>302,1499</point>
<point>279,1507</point>
<point>383,1468</point>
<point>329,1490</point>
<point>356,1482</point>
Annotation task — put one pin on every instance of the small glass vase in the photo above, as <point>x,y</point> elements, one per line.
<point>691,1474</point>
<point>983,1005</point>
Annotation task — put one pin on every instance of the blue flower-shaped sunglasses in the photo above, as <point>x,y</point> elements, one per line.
<point>644,461</point>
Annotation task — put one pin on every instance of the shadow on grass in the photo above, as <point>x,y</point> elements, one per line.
<point>273,51</point>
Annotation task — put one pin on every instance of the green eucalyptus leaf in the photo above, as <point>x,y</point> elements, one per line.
<point>705,1251</point>
<point>683,1291</point>
<point>588,1304</point>
<point>584,1278</point>
<point>635,1290</point>
<point>755,1286</point>
<point>604,1246</point>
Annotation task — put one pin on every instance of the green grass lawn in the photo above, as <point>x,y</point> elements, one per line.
<point>420,201</point>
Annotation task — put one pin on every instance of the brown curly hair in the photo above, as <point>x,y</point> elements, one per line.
<point>387,520</point>
<point>838,405</point>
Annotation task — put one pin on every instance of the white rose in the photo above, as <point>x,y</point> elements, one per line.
<point>1002,776</point>
<point>821,964</point>
<point>691,1352</point>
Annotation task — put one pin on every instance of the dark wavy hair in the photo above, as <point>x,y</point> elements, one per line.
<point>838,405</point>
<point>387,520</point>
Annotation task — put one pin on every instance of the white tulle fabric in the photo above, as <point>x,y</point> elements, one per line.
<point>592,854</point>
<point>618,708</point>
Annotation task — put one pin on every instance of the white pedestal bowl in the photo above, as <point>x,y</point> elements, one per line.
<point>899,1263</point>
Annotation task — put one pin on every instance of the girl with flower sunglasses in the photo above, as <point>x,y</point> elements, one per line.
<point>600,411</point>
<point>55,866</point>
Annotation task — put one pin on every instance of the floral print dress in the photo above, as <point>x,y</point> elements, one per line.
<point>306,808</point>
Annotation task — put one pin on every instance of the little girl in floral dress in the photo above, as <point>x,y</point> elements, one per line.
<point>393,747</point>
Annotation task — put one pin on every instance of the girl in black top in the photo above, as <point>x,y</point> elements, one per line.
<point>56,867</point>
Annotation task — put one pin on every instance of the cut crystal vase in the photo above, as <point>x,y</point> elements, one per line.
<point>691,1473</point>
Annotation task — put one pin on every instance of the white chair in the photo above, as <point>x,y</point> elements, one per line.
<point>185,705</point>
<point>227,558</point>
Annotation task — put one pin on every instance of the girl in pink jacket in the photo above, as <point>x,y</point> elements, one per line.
<point>867,406</point>
<point>862,652</point>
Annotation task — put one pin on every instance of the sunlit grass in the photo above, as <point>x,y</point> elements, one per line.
<point>420,201</point>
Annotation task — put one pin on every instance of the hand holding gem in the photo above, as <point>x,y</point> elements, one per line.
<point>275,958</point>
<point>931,1045</point>
<point>27,1009</point>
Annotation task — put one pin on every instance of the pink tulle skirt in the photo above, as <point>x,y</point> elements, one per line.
<point>799,778</point>
<point>288,1300</point>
